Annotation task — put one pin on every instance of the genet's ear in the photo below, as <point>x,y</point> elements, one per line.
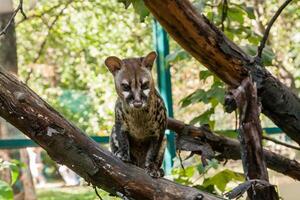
<point>113,64</point>
<point>149,60</point>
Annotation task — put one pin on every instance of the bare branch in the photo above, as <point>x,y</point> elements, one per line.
<point>40,15</point>
<point>237,192</point>
<point>224,13</point>
<point>266,34</point>
<point>43,44</point>
<point>19,8</point>
<point>281,143</point>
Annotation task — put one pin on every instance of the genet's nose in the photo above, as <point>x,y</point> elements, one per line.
<point>137,104</point>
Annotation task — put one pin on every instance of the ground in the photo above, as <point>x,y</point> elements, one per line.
<point>74,193</point>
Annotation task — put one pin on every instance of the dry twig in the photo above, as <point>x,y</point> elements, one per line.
<point>19,8</point>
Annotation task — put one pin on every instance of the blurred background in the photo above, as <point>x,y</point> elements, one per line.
<point>59,50</point>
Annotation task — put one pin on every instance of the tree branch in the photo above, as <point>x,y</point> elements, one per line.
<point>250,137</point>
<point>266,34</point>
<point>216,52</point>
<point>39,15</point>
<point>43,44</point>
<point>228,148</point>
<point>68,145</point>
<point>224,13</point>
<point>19,8</point>
<point>280,143</point>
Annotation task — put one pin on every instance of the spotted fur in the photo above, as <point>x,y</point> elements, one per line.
<point>140,114</point>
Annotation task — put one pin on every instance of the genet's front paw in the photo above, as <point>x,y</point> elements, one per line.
<point>154,171</point>
<point>123,156</point>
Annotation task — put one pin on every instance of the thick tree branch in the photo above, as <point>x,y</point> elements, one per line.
<point>67,145</point>
<point>11,20</point>
<point>220,55</point>
<point>229,148</point>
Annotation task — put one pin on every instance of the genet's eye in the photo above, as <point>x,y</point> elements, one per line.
<point>125,87</point>
<point>145,86</point>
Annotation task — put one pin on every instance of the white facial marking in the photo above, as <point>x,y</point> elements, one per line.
<point>146,92</point>
<point>125,94</point>
<point>144,80</point>
<point>125,82</point>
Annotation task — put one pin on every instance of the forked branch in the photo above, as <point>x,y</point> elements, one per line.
<point>266,34</point>
<point>15,12</point>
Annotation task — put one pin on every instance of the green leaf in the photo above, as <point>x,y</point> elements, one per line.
<point>140,8</point>
<point>203,75</point>
<point>204,118</point>
<point>236,14</point>
<point>227,133</point>
<point>221,179</point>
<point>14,171</point>
<point>213,163</point>
<point>6,192</point>
<point>183,175</point>
<point>210,164</point>
<point>177,55</point>
<point>250,12</point>
<point>13,167</point>
<point>198,95</point>
<point>209,189</point>
<point>125,2</point>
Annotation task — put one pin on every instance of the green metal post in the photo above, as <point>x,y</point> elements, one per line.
<point>161,43</point>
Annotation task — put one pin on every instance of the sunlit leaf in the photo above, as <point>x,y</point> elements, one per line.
<point>236,14</point>
<point>204,74</point>
<point>204,118</point>
<point>140,9</point>
<point>177,55</point>
<point>6,192</point>
<point>125,2</point>
<point>221,179</point>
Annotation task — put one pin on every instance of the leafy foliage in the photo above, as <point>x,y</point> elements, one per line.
<point>138,6</point>
<point>221,179</point>
<point>6,192</point>
<point>68,71</point>
<point>216,184</point>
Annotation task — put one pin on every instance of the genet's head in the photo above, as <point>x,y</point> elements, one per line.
<point>133,80</point>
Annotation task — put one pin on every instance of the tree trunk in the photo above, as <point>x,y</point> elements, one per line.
<point>215,51</point>
<point>250,136</point>
<point>67,145</point>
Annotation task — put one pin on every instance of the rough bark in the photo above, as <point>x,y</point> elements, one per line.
<point>216,52</point>
<point>67,145</point>
<point>250,137</point>
<point>229,148</point>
